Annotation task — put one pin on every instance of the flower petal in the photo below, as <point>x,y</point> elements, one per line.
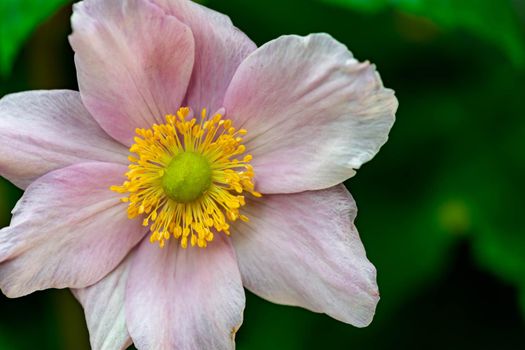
<point>303,249</point>
<point>184,298</point>
<point>103,305</point>
<point>133,63</point>
<point>313,113</point>
<point>219,49</point>
<point>67,230</point>
<point>42,131</point>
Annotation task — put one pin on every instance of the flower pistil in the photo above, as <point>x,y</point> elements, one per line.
<point>187,180</point>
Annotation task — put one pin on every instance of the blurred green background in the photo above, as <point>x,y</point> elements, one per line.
<point>440,207</point>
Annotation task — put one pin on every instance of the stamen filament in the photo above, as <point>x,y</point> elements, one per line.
<point>192,218</point>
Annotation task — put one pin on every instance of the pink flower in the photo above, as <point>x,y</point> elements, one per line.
<point>294,117</point>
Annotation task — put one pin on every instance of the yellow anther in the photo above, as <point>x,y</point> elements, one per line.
<point>192,222</point>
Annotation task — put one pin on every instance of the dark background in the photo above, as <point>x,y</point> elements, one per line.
<point>440,207</point>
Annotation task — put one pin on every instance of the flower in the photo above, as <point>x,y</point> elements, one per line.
<point>186,135</point>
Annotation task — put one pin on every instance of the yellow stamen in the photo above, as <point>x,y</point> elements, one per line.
<point>168,182</point>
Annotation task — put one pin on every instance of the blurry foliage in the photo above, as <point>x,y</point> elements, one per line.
<point>18,19</point>
<point>495,21</point>
<point>448,183</point>
<point>4,341</point>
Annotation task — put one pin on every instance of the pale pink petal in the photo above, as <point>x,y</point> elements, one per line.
<point>219,49</point>
<point>184,298</point>
<point>133,63</point>
<point>103,305</point>
<point>42,131</point>
<point>303,249</point>
<point>67,230</point>
<point>313,113</point>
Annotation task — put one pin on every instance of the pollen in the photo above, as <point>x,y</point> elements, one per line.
<point>188,179</point>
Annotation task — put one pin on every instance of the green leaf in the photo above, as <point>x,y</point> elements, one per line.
<point>495,21</point>
<point>500,244</point>
<point>18,19</point>
<point>485,168</point>
<point>4,343</point>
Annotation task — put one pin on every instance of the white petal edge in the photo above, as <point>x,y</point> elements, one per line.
<point>303,249</point>
<point>41,131</point>
<point>133,62</point>
<point>313,113</point>
<point>103,305</point>
<point>219,49</point>
<point>184,298</point>
<point>68,231</point>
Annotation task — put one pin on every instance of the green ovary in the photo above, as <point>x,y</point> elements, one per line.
<point>187,177</point>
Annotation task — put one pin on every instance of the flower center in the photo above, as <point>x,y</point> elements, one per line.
<point>187,180</point>
<point>187,177</point>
